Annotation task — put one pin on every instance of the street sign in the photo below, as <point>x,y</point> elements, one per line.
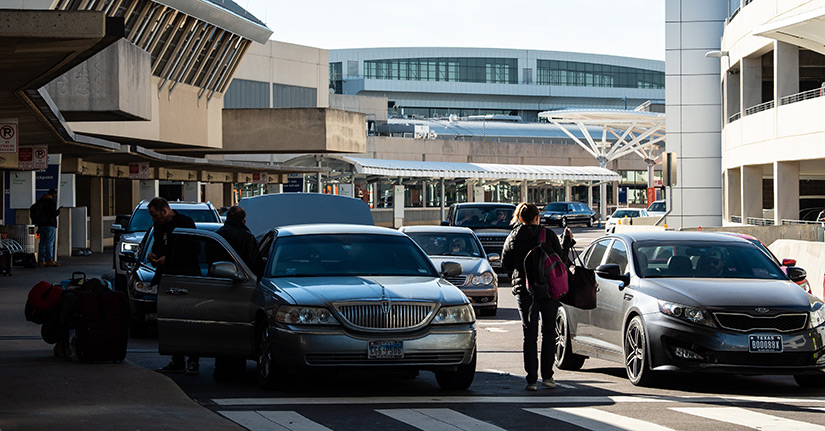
<point>139,171</point>
<point>25,158</point>
<point>40,158</point>
<point>8,135</point>
<point>260,178</point>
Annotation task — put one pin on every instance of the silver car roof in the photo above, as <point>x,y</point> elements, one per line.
<point>436,229</point>
<point>335,228</point>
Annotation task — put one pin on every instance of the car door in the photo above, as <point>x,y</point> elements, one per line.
<point>580,323</point>
<point>607,316</point>
<point>200,311</point>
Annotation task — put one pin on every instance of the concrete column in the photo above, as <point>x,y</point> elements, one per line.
<point>149,189</point>
<point>228,198</point>
<point>523,192</point>
<point>568,191</point>
<point>470,190</point>
<point>274,188</point>
<point>192,191</point>
<point>590,195</point>
<point>785,191</point>
<point>423,193</point>
<point>96,214</point>
<point>214,194</point>
<point>616,193</point>
<point>751,194</point>
<point>733,193</point>
<point>64,233</point>
<point>786,71</point>
<point>443,196</point>
<point>733,98</point>
<point>751,77</point>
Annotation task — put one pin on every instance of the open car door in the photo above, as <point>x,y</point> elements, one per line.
<point>205,298</point>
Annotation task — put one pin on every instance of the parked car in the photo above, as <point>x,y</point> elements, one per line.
<point>621,214</point>
<point>657,208</point>
<point>693,302</point>
<point>459,244</point>
<point>784,264</point>
<point>564,213</point>
<point>331,296</point>
<point>143,293</point>
<point>489,220</point>
<point>129,236</point>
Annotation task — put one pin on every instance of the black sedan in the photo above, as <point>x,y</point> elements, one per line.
<point>694,302</point>
<point>564,213</point>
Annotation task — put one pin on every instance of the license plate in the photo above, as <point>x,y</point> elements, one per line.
<point>385,349</point>
<point>765,343</point>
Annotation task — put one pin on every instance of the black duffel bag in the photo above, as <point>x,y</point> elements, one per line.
<point>582,286</point>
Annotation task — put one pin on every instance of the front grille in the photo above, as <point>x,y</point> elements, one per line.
<point>354,359</point>
<point>492,244</point>
<point>745,322</point>
<point>386,314</point>
<point>458,280</point>
<point>785,359</point>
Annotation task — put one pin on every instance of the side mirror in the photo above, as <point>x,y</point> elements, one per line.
<point>116,229</point>
<point>610,271</point>
<point>494,258</point>
<point>797,274</point>
<point>788,262</point>
<point>225,269</point>
<point>128,257</point>
<point>445,223</point>
<point>450,269</point>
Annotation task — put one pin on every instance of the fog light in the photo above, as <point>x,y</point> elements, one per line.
<point>687,354</point>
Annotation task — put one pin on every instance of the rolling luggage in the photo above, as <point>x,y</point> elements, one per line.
<point>102,325</point>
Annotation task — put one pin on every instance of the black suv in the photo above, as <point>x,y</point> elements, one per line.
<point>489,220</point>
<point>564,213</point>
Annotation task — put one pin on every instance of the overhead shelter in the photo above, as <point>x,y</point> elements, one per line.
<point>805,29</point>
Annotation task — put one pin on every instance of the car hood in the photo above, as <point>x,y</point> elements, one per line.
<point>491,231</point>
<point>327,290</point>
<point>469,265</point>
<point>133,237</point>
<point>728,293</point>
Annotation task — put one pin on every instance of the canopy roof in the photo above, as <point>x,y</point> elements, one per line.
<point>806,29</point>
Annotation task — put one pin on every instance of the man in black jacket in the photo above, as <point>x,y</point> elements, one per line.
<point>239,236</point>
<point>44,214</point>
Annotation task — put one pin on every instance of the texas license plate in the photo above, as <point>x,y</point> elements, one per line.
<point>764,343</point>
<point>385,349</point>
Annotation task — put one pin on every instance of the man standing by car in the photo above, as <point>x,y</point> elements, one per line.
<point>239,236</point>
<point>44,214</point>
<point>166,220</point>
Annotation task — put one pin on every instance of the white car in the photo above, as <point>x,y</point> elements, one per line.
<point>625,214</point>
<point>657,208</point>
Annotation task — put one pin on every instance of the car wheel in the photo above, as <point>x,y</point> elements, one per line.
<point>810,381</point>
<point>590,222</point>
<point>265,361</point>
<point>565,358</point>
<point>460,378</point>
<point>635,353</point>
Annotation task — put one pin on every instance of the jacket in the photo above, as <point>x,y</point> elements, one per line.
<point>47,212</point>
<point>519,242</point>
<point>241,239</point>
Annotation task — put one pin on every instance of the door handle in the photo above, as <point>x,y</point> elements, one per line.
<point>177,291</point>
<point>628,297</point>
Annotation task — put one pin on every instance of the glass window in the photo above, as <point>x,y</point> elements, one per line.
<point>193,255</point>
<point>595,254</point>
<point>447,244</point>
<point>704,260</point>
<point>618,255</point>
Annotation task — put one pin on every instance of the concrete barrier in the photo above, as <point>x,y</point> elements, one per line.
<point>769,234</point>
<point>809,255</point>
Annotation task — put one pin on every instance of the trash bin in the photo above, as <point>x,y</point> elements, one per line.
<point>24,234</point>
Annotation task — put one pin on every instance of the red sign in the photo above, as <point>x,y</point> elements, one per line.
<point>651,195</point>
<point>25,158</point>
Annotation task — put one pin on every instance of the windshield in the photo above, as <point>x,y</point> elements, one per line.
<point>657,206</point>
<point>447,244</point>
<point>347,255</point>
<point>556,206</point>
<point>487,216</point>
<point>626,213</point>
<point>141,221</point>
<point>702,259</point>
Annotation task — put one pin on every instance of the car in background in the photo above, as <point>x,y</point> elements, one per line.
<point>142,292</point>
<point>657,208</point>
<point>622,214</point>
<point>332,296</point>
<point>129,236</point>
<point>459,244</point>
<point>784,264</point>
<point>489,220</point>
<point>693,302</point>
<point>565,213</point>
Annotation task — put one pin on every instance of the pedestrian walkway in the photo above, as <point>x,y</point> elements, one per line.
<point>41,392</point>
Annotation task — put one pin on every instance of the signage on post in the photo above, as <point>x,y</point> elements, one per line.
<point>25,158</point>
<point>40,158</point>
<point>260,178</point>
<point>651,195</point>
<point>139,171</point>
<point>8,135</point>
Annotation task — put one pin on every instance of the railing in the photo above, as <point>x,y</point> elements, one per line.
<point>759,108</point>
<point>735,219</point>
<point>734,117</point>
<point>793,222</point>
<point>760,221</point>
<point>805,95</point>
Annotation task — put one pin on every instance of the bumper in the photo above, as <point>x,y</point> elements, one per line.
<point>144,306</point>
<point>482,297</point>
<point>727,351</point>
<point>434,348</point>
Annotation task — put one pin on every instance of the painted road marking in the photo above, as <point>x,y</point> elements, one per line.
<point>749,418</point>
<point>438,420</point>
<point>597,420</point>
<point>272,420</point>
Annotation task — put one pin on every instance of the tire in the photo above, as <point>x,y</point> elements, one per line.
<point>565,359</point>
<point>635,353</point>
<point>810,381</point>
<point>459,379</point>
<point>264,359</point>
<point>590,222</point>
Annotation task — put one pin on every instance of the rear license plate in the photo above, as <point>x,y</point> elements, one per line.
<point>385,349</point>
<point>765,343</point>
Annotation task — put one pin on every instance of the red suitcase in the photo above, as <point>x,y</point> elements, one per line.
<point>102,326</point>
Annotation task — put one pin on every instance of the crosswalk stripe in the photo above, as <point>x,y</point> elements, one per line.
<point>438,420</point>
<point>534,399</point>
<point>272,420</point>
<point>597,420</point>
<point>749,418</point>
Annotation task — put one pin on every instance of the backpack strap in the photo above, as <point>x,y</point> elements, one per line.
<point>542,236</point>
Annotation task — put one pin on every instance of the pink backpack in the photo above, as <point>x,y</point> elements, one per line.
<point>546,274</point>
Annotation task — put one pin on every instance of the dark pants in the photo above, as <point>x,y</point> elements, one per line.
<point>531,311</point>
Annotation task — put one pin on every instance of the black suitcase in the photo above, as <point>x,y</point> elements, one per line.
<point>102,325</point>
<point>5,262</point>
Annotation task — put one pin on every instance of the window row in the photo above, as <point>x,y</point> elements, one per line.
<point>485,70</point>
<point>572,73</point>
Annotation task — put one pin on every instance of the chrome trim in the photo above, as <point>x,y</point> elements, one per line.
<point>757,319</point>
<point>368,315</point>
<point>209,322</point>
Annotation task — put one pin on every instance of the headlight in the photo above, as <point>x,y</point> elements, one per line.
<point>483,278</point>
<point>689,314</point>
<point>129,246</point>
<point>555,216</point>
<point>297,315</point>
<point>817,315</point>
<point>457,314</point>
<point>146,287</point>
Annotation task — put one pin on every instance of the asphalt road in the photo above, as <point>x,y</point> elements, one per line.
<point>598,397</point>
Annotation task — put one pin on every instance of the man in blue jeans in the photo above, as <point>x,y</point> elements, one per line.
<point>44,214</point>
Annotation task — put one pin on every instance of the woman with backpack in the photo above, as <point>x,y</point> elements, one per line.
<point>538,305</point>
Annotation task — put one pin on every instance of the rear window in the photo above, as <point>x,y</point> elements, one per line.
<point>484,217</point>
<point>556,206</point>
<point>447,244</point>
<point>626,213</point>
<point>657,206</point>
<point>141,221</point>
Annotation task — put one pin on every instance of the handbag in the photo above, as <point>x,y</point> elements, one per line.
<point>581,287</point>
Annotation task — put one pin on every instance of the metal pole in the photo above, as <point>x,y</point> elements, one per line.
<point>442,198</point>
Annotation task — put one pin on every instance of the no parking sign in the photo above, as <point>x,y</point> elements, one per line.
<point>8,135</point>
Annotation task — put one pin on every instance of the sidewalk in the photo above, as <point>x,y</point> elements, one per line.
<point>41,392</point>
